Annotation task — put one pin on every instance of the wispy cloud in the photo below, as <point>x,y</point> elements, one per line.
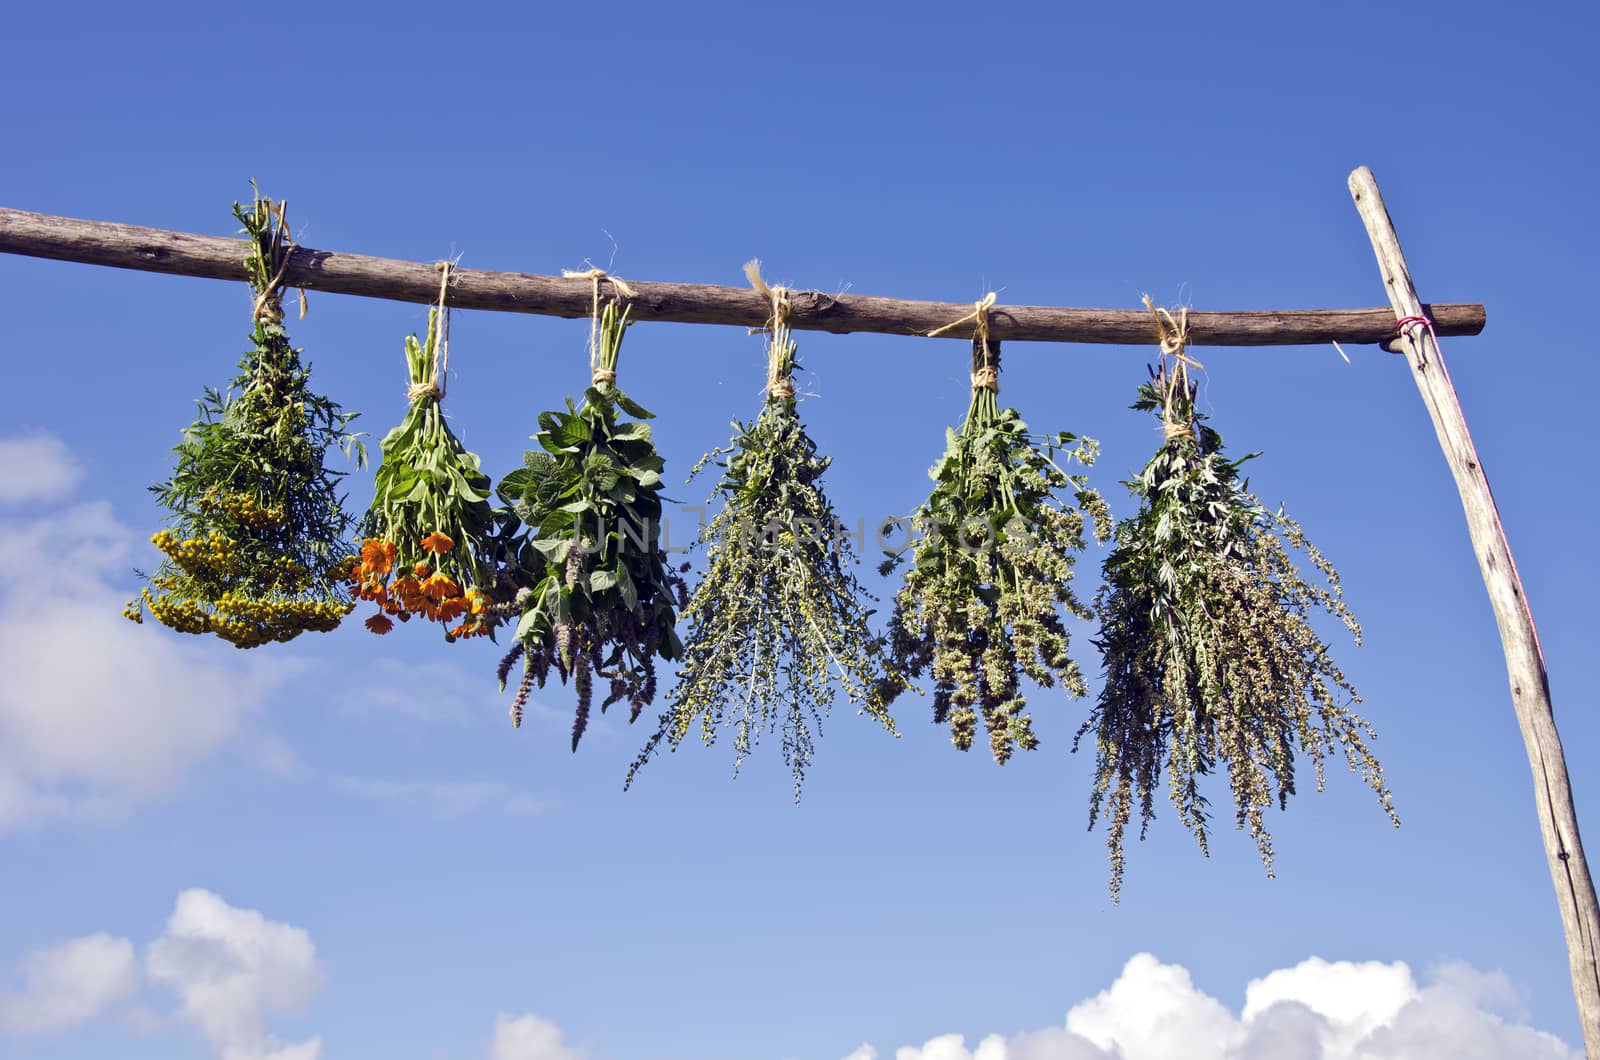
<point>446,798</point>
<point>428,691</point>
<point>432,692</point>
<point>70,983</point>
<point>96,714</point>
<point>530,1037</point>
<point>36,467</point>
<point>229,967</point>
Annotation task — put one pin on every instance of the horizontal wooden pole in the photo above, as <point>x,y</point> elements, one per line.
<point>184,254</point>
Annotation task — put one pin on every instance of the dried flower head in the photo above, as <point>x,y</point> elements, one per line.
<point>1211,658</point>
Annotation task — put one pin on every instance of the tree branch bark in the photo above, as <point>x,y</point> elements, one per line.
<point>181,253</point>
<point>1530,685</point>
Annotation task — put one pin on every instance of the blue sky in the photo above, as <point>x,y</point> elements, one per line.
<point>339,847</point>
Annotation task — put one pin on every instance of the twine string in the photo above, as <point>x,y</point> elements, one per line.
<point>268,307</point>
<point>780,374</point>
<point>985,368</point>
<point>1173,334</point>
<point>440,338</point>
<point>985,365</point>
<point>598,375</point>
<point>1405,325</point>
<point>979,314</point>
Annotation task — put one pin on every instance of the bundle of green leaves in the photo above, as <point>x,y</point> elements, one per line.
<point>430,535</point>
<point>1211,658</point>
<point>257,548</point>
<point>778,615</point>
<point>991,569</point>
<point>594,593</point>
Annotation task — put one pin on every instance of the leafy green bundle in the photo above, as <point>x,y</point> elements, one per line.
<point>257,548</point>
<point>594,592</point>
<point>778,613</point>
<point>992,569</point>
<point>430,533</point>
<point>1209,652</point>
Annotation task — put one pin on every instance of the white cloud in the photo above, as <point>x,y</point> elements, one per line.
<point>70,983</point>
<point>529,1037</point>
<point>443,798</point>
<point>229,968</point>
<point>96,714</point>
<point>1317,1010</point>
<point>1353,1000</point>
<point>36,467</point>
<point>445,692</point>
<point>1153,1009</point>
<point>437,691</point>
<point>954,1047</point>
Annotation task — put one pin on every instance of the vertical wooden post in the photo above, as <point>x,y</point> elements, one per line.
<point>1530,687</point>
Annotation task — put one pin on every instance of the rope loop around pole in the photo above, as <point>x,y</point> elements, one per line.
<point>979,314</point>
<point>274,251</point>
<point>985,368</point>
<point>1405,325</point>
<point>780,375</point>
<point>439,337</point>
<point>1173,336</point>
<point>597,374</point>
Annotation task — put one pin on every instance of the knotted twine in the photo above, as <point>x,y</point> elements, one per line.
<point>780,366</point>
<point>1173,335</point>
<point>598,375</point>
<point>268,307</point>
<point>985,362</point>
<point>440,338</point>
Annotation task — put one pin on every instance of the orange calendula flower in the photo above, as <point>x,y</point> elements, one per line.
<point>421,570</point>
<point>438,543</point>
<point>408,590</point>
<point>438,587</point>
<point>377,556</point>
<point>379,624</point>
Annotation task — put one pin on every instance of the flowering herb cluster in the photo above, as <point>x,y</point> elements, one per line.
<point>430,535</point>
<point>778,615</point>
<point>990,579</point>
<point>1211,659</point>
<point>257,547</point>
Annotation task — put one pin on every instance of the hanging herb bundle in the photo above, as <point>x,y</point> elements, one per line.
<point>256,550</point>
<point>778,615</point>
<point>991,573</point>
<point>595,595</point>
<point>430,534</point>
<point>1210,656</point>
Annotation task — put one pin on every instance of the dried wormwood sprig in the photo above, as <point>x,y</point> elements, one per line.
<point>1210,655</point>
<point>778,615</point>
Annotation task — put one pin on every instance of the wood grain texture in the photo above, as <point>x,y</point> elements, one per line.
<point>181,253</point>
<point>1530,686</point>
